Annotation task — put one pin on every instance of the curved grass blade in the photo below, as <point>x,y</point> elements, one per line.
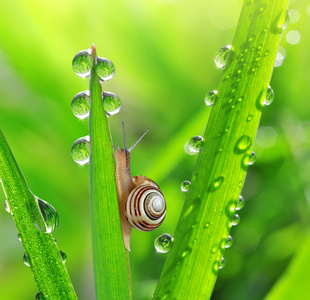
<point>195,259</point>
<point>43,255</point>
<point>109,254</point>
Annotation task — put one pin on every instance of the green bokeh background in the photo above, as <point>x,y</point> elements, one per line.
<point>163,52</point>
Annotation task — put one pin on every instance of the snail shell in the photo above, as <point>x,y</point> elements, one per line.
<point>141,202</point>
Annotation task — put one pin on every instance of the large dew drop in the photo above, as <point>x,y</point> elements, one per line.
<point>195,143</point>
<point>111,103</point>
<point>80,150</point>
<point>26,260</point>
<point>7,206</point>
<point>49,215</point>
<point>163,243</point>
<point>249,159</point>
<point>210,98</point>
<point>229,242</point>
<point>81,63</point>
<point>105,69</point>
<point>63,256</point>
<point>185,185</point>
<point>80,105</point>
<point>235,221</point>
<point>286,21</point>
<point>243,144</point>
<point>240,203</point>
<point>222,263</point>
<point>269,96</point>
<point>221,56</point>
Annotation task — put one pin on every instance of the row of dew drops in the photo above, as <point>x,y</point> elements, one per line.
<point>51,222</point>
<point>194,145</point>
<point>81,102</point>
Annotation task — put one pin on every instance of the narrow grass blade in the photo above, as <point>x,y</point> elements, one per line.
<point>42,252</point>
<point>109,254</point>
<point>294,284</point>
<point>195,259</point>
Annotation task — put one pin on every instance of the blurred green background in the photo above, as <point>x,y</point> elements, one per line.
<point>163,52</point>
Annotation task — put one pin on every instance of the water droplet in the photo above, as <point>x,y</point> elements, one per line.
<point>218,182</point>
<point>269,96</point>
<point>195,143</point>
<point>287,20</point>
<point>81,63</point>
<point>221,56</point>
<point>26,260</point>
<point>249,159</point>
<point>105,69</point>
<point>214,249</point>
<point>49,215</point>
<point>111,103</point>
<point>243,144</point>
<point>163,243</point>
<point>229,242</point>
<point>7,206</point>
<point>186,252</point>
<point>19,237</point>
<point>240,203</point>
<point>80,150</point>
<point>80,105</point>
<point>235,221</point>
<point>185,186</point>
<point>39,296</point>
<point>222,263</point>
<point>207,225</point>
<point>249,118</point>
<point>63,256</point>
<point>210,98</point>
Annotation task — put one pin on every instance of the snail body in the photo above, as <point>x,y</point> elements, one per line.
<point>141,202</point>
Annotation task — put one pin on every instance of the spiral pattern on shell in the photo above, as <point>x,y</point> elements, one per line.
<point>145,208</point>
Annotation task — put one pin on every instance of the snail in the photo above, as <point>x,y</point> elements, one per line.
<point>141,202</point>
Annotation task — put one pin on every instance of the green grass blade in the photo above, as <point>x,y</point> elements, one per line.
<point>44,257</point>
<point>109,254</point>
<point>192,266</point>
<point>294,283</point>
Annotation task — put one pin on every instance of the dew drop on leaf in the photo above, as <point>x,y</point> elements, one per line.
<point>269,96</point>
<point>243,144</point>
<point>221,56</point>
<point>240,203</point>
<point>105,69</point>
<point>286,21</point>
<point>80,150</point>
<point>235,221</point>
<point>163,243</point>
<point>49,215</point>
<point>63,256</point>
<point>218,182</point>
<point>80,105</point>
<point>26,260</point>
<point>229,242</point>
<point>222,263</point>
<point>7,206</point>
<point>81,63</point>
<point>185,185</point>
<point>111,103</point>
<point>210,98</point>
<point>195,143</point>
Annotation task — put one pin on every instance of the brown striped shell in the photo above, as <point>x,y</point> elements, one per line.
<point>145,207</point>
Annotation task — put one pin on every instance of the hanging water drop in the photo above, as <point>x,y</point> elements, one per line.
<point>269,96</point>
<point>80,105</point>
<point>163,243</point>
<point>229,242</point>
<point>195,143</point>
<point>111,103</point>
<point>185,185</point>
<point>26,260</point>
<point>50,216</point>
<point>80,150</point>
<point>39,296</point>
<point>7,206</point>
<point>240,203</point>
<point>235,221</point>
<point>105,69</point>
<point>249,159</point>
<point>63,256</point>
<point>81,63</point>
<point>210,98</point>
<point>222,263</point>
<point>221,56</point>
